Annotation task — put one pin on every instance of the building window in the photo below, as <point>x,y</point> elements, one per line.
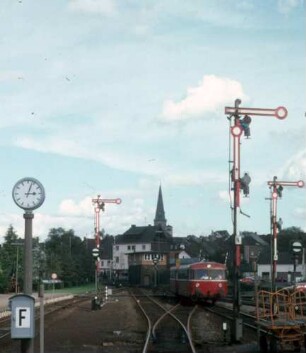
<point>129,247</point>
<point>265,275</point>
<point>102,263</point>
<point>133,247</point>
<point>143,247</point>
<point>117,259</point>
<point>117,247</point>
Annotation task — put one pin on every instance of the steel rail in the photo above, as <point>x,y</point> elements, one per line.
<point>151,331</point>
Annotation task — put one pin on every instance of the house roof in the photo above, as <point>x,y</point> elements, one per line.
<point>220,234</point>
<point>142,234</point>
<point>284,258</point>
<point>253,239</point>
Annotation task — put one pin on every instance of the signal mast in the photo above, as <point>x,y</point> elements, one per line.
<point>239,126</point>
<point>99,206</point>
<point>277,192</point>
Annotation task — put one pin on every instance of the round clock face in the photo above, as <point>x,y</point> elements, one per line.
<point>28,193</point>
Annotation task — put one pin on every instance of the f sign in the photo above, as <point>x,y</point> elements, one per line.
<point>23,317</point>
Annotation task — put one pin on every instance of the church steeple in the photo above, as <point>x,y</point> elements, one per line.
<point>160,218</point>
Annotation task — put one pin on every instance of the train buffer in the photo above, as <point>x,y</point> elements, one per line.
<point>281,319</point>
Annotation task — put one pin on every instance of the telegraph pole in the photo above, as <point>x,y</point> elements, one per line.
<point>276,192</point>
<point>99,206</point>
<point>239,126</point>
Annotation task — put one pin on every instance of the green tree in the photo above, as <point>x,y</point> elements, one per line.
<point>288,235</point>
<point>68,257</point>
<point>39,262</point>
<point>11,256</point>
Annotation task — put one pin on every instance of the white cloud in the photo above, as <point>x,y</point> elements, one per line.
<point>295,168</point>
<point>72,143</point>
<point>225,196</point>
<point>11,76</point>
<point>104,7</point>
<point>210,96</point>
<point>285,6</point>
<point>115,220</point>
<point>194,177</point>
<point>300,213</point>
<point>71,208</point>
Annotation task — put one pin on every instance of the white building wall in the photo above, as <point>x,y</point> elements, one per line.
<point>280,268</point>
<point>121,251</point>
<point>183,255</point>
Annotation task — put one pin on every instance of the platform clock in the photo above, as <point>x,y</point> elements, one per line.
<point>28,193</point>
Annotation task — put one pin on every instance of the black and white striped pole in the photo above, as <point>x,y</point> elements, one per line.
<point>95,254</point>
<point>297,249</point>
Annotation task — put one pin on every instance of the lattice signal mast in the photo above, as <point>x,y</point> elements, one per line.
<point>238,126</point>
<point>276,188</point>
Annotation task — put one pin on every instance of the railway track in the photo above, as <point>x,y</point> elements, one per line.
<point>249,320</point>
<point>168,325</point>
<point>180,327</point>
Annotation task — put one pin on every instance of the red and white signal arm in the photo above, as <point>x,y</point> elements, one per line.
<point>279,112</point>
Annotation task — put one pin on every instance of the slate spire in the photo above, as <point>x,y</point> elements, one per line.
<point>160,219</point>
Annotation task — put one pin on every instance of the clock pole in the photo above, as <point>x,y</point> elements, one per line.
<point>28,270</point>
<point>27,345</point>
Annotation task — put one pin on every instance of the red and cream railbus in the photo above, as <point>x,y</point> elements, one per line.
<point>199,281</point>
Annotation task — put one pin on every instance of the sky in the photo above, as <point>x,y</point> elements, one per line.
<point>115,98</point>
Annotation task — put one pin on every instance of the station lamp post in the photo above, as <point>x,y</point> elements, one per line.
<point>241,125</point>
<point>276,188</point>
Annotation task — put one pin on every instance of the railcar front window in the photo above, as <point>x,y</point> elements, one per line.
<point>201,274</point>
<point>209,274</point>
<point>217,274</point>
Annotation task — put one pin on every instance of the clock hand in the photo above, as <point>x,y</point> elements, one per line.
<point>28,193</point>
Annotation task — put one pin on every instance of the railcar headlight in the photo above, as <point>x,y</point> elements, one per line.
<point>197,284</point>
